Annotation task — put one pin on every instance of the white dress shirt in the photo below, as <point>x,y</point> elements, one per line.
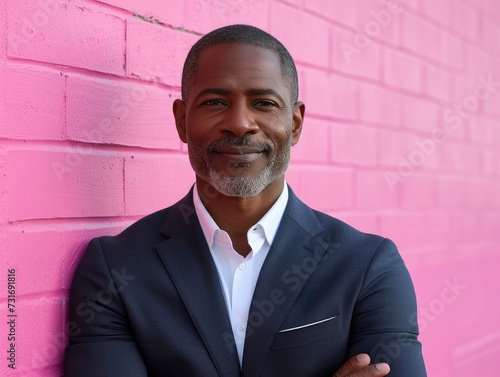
<point>238,275</point>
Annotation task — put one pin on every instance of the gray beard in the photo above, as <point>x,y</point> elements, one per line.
<point>240,187</point>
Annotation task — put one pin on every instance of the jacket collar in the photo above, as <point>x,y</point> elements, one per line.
<point>187,258</point>
<point>296,245</point>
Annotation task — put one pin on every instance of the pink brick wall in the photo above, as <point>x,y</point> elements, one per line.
<point>402,138</point>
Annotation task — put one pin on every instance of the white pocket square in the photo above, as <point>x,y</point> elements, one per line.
<point>309,324</point>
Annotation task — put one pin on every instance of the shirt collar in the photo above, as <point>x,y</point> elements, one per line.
<point>269,222</point>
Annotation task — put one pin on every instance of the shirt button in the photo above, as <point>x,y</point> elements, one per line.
<point>242,326</point>
<point>242,266</point>
<point>255,229</point>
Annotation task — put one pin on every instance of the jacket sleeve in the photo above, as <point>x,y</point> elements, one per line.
<point>101,342</point>
<point>384,322</point>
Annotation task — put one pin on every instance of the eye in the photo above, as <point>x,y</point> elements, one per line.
<point>213,102</point>
<point>266,103</point>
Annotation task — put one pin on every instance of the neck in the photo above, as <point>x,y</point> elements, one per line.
<point>236,215</point>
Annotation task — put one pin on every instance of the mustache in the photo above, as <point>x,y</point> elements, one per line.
<point>238,142</point>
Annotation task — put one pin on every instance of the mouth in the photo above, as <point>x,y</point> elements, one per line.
<point>239,154</point>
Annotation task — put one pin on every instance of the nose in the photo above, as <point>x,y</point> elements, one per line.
<point>239,120</point>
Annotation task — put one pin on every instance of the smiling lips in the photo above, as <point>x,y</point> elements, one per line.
<point>239,153</point>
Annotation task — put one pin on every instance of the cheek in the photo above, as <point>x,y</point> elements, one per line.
<point>195,137</point>
<point>283,138</point>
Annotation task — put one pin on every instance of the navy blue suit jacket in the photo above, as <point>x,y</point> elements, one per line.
<point>148,302</point>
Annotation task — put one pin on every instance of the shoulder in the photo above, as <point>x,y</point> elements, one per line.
<point>362,254</point>
<point>147,232</point>
<point>144,229</point>
<point>347,234</point>
<point>332,230</point>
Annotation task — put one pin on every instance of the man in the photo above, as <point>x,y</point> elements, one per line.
<point>240,278</point>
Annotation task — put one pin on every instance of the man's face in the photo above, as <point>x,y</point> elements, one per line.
<point>239,123</point>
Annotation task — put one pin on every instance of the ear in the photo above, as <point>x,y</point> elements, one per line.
<point>179,109</point>
<point>298,118</point>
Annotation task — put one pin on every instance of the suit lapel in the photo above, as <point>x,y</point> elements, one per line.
<point>187,258</point>
<point>292,259</point>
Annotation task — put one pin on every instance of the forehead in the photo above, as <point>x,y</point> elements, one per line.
<point>241,63</point>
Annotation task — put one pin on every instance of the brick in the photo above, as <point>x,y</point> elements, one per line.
<point>489,29</point>
<point>323,188</point>
<point>171,13</point>
<point>155,182</point>
<point>34,106</point>
<point>304,35</point>
<point>353,144</point>
<point>412,4</point>
<point>439,10</point>
<point>313,143</point>
<point>405,229</point>
<point>302,81</point>
<point>117,112</point>
<point>491,162</point>
<point>464,87</point>
<point>481,194</point>
<point>436,230</point>
<point>203,16</point>
<point>421,36</point>
<point>40,325</point>
<point>58,251</point>
<point>27,251</point>
<point>380,20</point>
<point>395,147</point>
<point>470,159</point>
<point>489,222</point>
<point>465,21</point>
<point>494,131</point>
<point>452,51</point>
<point>365,222</point>
<point>418,192</point>
<point>408,154</point>
<point>373,192</point>
<point>330,95</point>
<point>75,183</point>
<point>3,30</point>
<point>349,58</point>
<point>461,158</point>
<point>492,104</point>
<point>438,83</point>
<point>296,3</point>
<point>67,34</point>
<point>342,11</point>
<point>421,115</point>
<point>479,62</point>
<point>481,130</point>
<point>161,57</point>
<point>380,106</point>
<point>455,125</point>
<point>437,159</point>
<point>3,99</point>
<point>451,192</point>
<point>402,71</point>
<point>3,185</point>
<point>419,230</point>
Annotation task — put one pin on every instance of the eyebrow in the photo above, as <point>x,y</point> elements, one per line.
<point>260,92</point>
<point>220,91</point>
<point>250,92</point>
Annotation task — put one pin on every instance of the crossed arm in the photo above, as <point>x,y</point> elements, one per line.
<point>366,334</point>
<point>359,366</point>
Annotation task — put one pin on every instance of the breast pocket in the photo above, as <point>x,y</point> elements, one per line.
<point>308,333</point>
